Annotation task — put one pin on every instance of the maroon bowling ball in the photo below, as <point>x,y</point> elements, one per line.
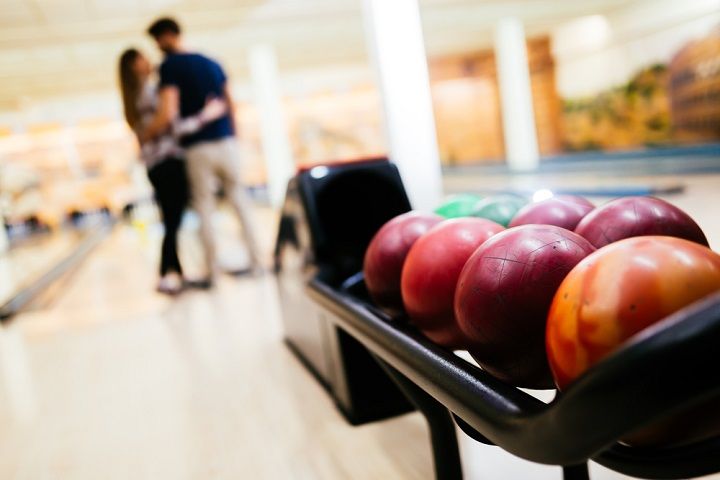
<point>564,211</point>
<point>385,256</point>
<point>504,294</point>
<point>638,216</point>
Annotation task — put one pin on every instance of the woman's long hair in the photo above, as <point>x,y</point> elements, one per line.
<point>129,86</point>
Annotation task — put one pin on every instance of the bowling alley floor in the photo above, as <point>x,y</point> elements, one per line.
<point>113,381</point>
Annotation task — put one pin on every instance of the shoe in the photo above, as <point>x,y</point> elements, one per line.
<point>200,283</point>
<point>170,284</point>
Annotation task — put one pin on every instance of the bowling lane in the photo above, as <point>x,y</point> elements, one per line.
<point>114,381</point>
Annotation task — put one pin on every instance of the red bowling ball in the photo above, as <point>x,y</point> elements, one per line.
<point>635,217</point>
<point>504,294</point>
<point>431,272</point>
<point>563,211</point>
<point>385,256</point>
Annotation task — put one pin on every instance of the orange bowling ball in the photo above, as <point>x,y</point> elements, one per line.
<point>615,293</point>
<point>619,290</point>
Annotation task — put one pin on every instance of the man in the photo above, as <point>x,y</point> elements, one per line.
<point>187,81</point>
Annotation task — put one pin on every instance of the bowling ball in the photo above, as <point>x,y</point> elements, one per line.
<point>637,216</point>
<point>460,205</point>
<point>431,272</point>
<point>385,256</point>
<point>617,292</point>
<point>499,208</point>
<point>504,294</point>
<point>562,211</point>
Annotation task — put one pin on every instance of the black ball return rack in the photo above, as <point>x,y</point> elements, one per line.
<point>668,368</point>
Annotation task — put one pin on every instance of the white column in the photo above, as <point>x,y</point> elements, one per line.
<point>396,47</point>
<point>521,147</point>
<point>273,129</point>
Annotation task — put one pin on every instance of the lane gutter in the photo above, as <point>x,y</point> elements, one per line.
<point>29,292</point>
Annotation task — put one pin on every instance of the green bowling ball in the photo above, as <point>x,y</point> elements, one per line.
<point>499,208</point>
<point>460,205</point>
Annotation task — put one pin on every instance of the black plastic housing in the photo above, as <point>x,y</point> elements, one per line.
<point>328,219</point>
<point>368,360</point>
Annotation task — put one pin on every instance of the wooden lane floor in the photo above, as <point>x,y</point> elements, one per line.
<point>115,381</point>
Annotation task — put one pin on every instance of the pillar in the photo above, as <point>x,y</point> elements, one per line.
<point>273,129</point>
<point>518,119</point>
<point>397,51</point>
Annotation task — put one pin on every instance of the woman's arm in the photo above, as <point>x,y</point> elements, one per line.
<point>214,108</point>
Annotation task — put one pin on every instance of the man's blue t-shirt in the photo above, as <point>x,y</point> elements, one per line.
<point>196,78</point>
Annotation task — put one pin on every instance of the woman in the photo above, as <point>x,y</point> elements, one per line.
<point>162,156</point>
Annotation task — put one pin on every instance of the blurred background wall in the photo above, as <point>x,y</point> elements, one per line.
<point>605,75</point>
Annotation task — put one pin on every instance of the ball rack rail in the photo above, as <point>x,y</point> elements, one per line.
<point>668,368</point>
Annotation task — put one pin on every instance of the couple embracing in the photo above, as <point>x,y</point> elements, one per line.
<point>185,128</point>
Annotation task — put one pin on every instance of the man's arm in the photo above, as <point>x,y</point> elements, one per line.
<point>167,112</point>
